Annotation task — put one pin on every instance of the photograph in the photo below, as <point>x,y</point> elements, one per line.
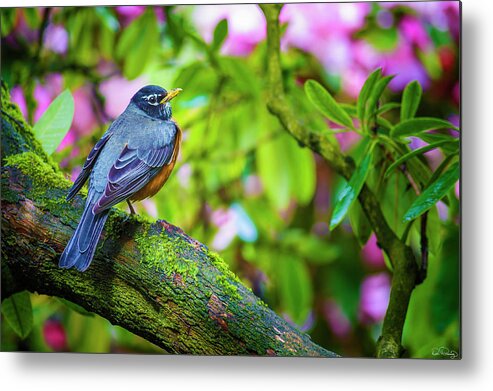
<point>232,179</point>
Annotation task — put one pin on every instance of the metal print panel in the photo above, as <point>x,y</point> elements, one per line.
<point>264,180</point>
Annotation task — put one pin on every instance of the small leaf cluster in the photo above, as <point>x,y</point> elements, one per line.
<point>386,144</point>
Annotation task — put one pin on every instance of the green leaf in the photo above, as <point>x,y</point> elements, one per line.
<point>326,104</point>
<point>387,107</point>
<point>374,97</point>
<point>359,223</point>
<point>137,44</point>
<point>220,34</point>
<point>414,126</point>
<point>384,40</point>
<point>55,122</point>
<point>286,170</point>
<point>350,191</point>
<point>365,93</point>
<point>295,288</point>
<point>108,18</point>
<point>410,100</point>
<point>436,191</point>
<point>18,313</point>
<point>416,152</point>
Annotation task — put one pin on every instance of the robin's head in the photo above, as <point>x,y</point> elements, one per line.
<point>154,101</point>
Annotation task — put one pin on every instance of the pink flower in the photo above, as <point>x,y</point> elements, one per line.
<point>374,299</point>
<point>414,33</point>
<point>405,66</point>
<point>128,13</point>
<point>54,335</point>
<point>372,254</point>
<point>246,26</point>
<point>457,190</point>
<point>118,91</point>
<point>336,319</point>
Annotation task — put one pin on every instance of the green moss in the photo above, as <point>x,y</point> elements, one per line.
<point>226,275</point>
<point>43,174</point>
<point>168,255</point>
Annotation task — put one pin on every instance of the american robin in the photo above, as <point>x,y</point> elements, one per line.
<point>132,161</point>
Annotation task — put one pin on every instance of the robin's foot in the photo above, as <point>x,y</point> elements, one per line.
<point>132,210</point>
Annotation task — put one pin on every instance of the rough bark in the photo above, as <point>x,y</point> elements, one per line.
<point>148,277</point>
<point>405,270</point>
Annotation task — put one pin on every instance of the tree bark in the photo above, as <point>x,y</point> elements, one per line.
<point>148,277</point>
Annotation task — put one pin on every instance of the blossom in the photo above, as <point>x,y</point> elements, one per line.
<point>374,299</point>
<point>371,253</point>
<point>118,91</point>
<point>336,319</point>
<point>56,39</point>
<point>54,335</point>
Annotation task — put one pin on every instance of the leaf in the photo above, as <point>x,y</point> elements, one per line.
<point>374,97</point>
<point>445,298</point>
<point>295,288</point>
<point>55,122</point>
<point>384,40</point>
<point>437,190</point>
<point>387,107</point>
<point>350,191</point>
<point>359,223</point>
<point>17,310</point>
<point>365,93</point>
<point>414,126</point>
<point>108,18</point>
<point>410,100</point>
<point>416,152</point>
<point>137,44</point>
<point>220,33</point>
<point>286,170</point>
<point>326,104</point>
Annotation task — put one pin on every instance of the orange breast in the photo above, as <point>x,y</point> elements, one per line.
<point>157,182</point>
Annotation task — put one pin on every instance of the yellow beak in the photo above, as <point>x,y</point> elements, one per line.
<point>171,94</point>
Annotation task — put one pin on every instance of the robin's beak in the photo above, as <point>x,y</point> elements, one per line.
<point>171,94</point>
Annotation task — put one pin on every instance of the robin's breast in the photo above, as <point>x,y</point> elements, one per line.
<point>158,181</point>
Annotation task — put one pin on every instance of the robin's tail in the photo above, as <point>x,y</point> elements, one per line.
<point>81,247</point>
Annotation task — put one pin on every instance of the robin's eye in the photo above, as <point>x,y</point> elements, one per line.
<point>152,100</point>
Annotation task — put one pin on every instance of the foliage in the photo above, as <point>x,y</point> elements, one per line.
<point>289,227</point>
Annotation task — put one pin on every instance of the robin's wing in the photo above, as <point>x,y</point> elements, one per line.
<point>133,169</point>
<point>89,164</point>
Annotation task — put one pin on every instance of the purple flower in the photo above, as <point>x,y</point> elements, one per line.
<point>118,91</point>
<point>56,39</point>
<point>374,299</point>
<point>336,319</point>
<point>372,254</point>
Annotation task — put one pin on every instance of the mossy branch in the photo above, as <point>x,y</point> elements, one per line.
<point>148,277</point>
<point>404,262</point>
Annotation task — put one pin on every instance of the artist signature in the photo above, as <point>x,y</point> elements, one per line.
<point>443,351</point>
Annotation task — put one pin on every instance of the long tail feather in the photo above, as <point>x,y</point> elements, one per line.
<point>82,246</point>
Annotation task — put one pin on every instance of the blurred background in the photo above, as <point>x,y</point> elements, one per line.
<point>242,185</point>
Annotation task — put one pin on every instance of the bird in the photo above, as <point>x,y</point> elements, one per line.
<point>132,161</point>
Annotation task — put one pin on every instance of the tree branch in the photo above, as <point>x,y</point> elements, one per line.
<point>402,257</point>
<point>150,278</point>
